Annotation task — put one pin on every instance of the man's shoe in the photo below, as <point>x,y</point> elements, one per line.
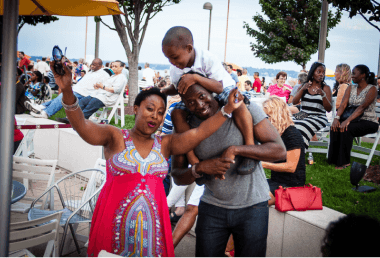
<point>63,120</point>
<point>41,114</point>
<point>247,166</point>
<point>33,107</point>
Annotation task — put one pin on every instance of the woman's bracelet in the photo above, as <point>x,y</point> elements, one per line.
<point>194,173</point>
<point>72,107</point>
<point>324,95</point>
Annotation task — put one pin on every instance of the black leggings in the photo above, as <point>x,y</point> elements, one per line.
<point>341,143</point>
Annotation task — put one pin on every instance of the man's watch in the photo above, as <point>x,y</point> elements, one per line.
<point>224,113</point>
<point>337,117</point>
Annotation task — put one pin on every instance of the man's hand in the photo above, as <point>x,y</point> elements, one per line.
<point>98,85</point>
<point>216,167</point>
<point>229,153</point>
<point>186,81</point>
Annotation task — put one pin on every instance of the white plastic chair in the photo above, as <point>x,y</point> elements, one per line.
<point>32,233</point>
<point>26,147</point>
<point>372,151</point>
<point>119,105</point>
<point>142,85</point>
<point>34,169</point>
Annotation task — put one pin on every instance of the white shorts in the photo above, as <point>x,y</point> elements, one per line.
<point>196,195</point>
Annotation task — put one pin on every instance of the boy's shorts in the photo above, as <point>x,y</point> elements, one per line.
<point>222,98</point>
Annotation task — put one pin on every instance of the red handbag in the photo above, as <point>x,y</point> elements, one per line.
<point>301,198</point>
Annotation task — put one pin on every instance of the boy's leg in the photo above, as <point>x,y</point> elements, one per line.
<point>244,122</point>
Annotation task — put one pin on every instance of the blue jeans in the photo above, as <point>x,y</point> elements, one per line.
<point>53,106</point>
<point>249,227</point>
<point>90,105</point>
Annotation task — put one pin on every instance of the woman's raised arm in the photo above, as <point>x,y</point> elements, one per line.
<point>92,133</point>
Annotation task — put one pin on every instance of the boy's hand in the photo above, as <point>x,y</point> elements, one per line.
<point>235,99</point>
<point>186,81</point>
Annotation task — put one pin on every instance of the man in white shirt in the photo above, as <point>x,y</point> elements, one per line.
<point>148,75</point>
<point>82,89</point>
<point>105,94</point>
<point>42,66</point>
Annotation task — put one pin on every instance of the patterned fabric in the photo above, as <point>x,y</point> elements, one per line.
<point>131,216</point>
<point>279,92</point>
<point>31,87</point>
<point>167,128</point>
<point>317,120</point>
<point>358,99</point>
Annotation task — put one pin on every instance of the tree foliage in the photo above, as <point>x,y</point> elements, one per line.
<point>361,7</point>
<point>34,20</point>
<point>289,31</point>
<point>131,28</point>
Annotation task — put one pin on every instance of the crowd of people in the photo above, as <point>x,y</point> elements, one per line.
<point>198,124</point>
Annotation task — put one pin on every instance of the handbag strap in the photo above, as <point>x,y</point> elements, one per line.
<point>311,203</point>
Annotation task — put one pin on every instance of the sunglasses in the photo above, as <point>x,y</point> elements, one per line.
<point>57,56</point>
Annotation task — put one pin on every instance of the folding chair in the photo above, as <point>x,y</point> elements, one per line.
<point>34,169</point>
<point>119,105</point>
<point>370,152</point>
<point>32,233</point>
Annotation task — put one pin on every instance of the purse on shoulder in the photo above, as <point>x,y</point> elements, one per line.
<point>348,112</point>
<point>300,198</point>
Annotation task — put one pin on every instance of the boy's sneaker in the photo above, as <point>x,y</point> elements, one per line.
<point>33,107</point>
<point>41,114</point>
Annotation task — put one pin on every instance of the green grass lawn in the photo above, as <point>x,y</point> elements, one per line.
<point>335,184</point>
<point>337,189</point>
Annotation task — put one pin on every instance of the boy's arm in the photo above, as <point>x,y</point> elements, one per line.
<point>190,79</point>
<point>170,90</point>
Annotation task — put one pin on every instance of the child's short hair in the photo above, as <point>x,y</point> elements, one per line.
<point>178,36</point>
<point>46,79</point>
<point>248,82</point>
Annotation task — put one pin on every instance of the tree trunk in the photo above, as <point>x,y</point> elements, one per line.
<point>133,78</point>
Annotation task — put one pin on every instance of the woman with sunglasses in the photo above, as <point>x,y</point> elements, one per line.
<point>362,95</point>
<point>315,97</point>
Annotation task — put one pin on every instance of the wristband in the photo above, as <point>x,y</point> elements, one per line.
<point>195,174</point>
<point>72,107</point>
<point>324,95</point>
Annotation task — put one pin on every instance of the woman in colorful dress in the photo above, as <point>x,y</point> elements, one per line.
<point>131,216</point>
<point>34,85</point>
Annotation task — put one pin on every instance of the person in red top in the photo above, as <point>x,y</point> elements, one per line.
<point>257,82</point>
<point>23,60</point>
<point>18,136</point>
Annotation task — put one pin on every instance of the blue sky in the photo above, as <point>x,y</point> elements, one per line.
<point>353,41</point>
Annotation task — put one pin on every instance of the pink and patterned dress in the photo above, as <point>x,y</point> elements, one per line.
<point>131,217</point>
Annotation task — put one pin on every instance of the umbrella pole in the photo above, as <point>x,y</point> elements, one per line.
<point>7,111</point>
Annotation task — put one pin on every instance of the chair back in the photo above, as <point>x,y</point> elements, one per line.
<point>26,147</point>
<point>79,191</point>
<point>34,169</point>
<point>35,232</point>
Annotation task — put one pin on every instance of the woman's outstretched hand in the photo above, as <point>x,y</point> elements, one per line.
<point>63,81</point>
<point>235,99</point>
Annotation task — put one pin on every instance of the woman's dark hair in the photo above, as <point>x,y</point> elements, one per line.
<point>19,71</point>
<point>39,75</point>
<point>352,236</point>
<point>369,76</point>
<point>314,67</point>
<point>46,79</point>
<point>146,93</point>
<point>335,88</point>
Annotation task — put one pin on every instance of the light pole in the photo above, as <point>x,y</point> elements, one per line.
<point>208,6</point>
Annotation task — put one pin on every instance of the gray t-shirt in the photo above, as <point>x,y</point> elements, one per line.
<point>294,90</point>
<point>236,191</point>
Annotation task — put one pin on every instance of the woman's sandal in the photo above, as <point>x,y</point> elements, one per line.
<point>343,167</point>
<point>174,217</point>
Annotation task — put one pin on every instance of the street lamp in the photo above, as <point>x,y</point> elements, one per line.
<point>208,6</point>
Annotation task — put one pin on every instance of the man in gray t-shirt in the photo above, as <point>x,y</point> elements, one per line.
<point>237,205</point>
